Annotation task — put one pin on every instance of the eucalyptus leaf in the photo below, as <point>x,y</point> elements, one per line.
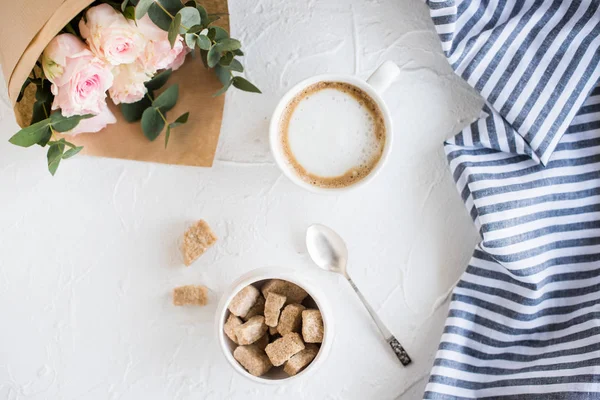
<point>54,156</point>
<point>236,66</point>
<point>223,74</point>
<point>203,57</point>
<point>191,3</point>
<point>124,5</point>
<point>213,56</point>
<point>32,134</point>
<point>226,59</point>
<point>227,44</point>
<point>40,111</point>
<point>195,29</point>
<point>61,123</point>
<point>182,119</point>
<point>217,33</point>
<point>45,139</point>
<point>174,29</point>
<point>167,99</point>
<point>159,80</point>
<point>133,111</point>
<point>238,52</point>
<point>158,15</point>
<point>142,8</point>
<point>203,15</point>
<point>152,123</point>
<point>71,152</point>
<point>212,18</point>
<point>189,17</point>
<point>190,40</point>
<point>244,85</point>
<point>204,42</point>
<point>129,13</point>
<point>223,89</point>
<point>22,92</point>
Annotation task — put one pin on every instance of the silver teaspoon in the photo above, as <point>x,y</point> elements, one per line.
<point>329,252</point>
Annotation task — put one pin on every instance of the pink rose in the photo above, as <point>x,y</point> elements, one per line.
<point>84,84</point>
<point>128,86</point>
<point>60,51</point>
<point>111,36</point>
<point>95,123</point>
<point>158,53</point>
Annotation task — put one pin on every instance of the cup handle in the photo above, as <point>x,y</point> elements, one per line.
<point>383,76</point>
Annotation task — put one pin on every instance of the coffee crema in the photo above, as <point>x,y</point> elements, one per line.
<point>332,134</point>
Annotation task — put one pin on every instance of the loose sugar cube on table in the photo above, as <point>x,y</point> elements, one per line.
<point>243,301</point>
<point>257,309</point>
<point>283,348</point>
<point>290,319</point>
<point>301,359</point>
<point>312,326</point>
<point>253,359</point>
<point>196,240</point>
<point>252,330</point>
<point>293,293</point>
<point>190,295</point>
<point>273,306</point>
<point>230,325</point>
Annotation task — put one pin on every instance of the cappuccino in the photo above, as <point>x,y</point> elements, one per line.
<point>332,134</point>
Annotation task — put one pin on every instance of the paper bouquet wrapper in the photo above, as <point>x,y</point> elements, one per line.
<point>27,26</point>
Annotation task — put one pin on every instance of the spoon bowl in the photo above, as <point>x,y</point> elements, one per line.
<point>327,249</point>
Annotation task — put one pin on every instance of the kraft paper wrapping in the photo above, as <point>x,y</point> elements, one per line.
<point>27,26</point>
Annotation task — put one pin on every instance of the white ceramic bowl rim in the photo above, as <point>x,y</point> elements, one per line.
<point>274,131</point>
<point>265,274</point>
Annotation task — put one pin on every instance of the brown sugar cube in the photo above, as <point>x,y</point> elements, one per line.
<point>294,293</point>
<point>243,301</point>
<point>290,319</point>
<point>257,309</point>
<point>190,294</point>
<point>262,342</point>
<point>196,240</point>
<point>230,325</point>
<point>273,330</point>
<point>252,330</point>
<point>253,359</point>
<point>312,326</point>
<point>283,348</point>
<point>273,306</point>
<point>300,360</point>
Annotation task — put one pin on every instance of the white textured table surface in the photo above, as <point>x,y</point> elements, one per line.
<point>88,258</point>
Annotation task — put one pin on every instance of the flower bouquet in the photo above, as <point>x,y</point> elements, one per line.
<point>124,52</point>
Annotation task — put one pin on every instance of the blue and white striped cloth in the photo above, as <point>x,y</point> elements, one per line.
<point>524,320</point>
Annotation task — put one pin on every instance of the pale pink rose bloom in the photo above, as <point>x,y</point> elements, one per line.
<point>128,85</point>
<point>58,52</point>
<point>85,90</point>
<point>94,124</point>
<point>111,36</point>
<point>158,53</point>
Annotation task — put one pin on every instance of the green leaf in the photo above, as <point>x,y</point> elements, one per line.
<point>152,123</point>
<point>213,56</point>
<point>167,99</point>
<point>133,111</point>
<point>244,85</point>
<point>203,57</point>
<point>236,66</point>
<point>212,18</point>
<point>195,29</point>
<point>167,135</point>
<point>182,119</point>
<point>238,52</point>
<point>223,89</point>
<point>228,44</point>
<point>190,40</point>
<point>217,33</point>
<point>61,123</point>
<point>174,29</point>
<point>159,17</point>
<point>32,134</point>
<point>142,8</point>
<point>39,112</point>
<point>223,74</point>
<point>203,15</point>
<point>159,80</point>
<point>203,42</point>
<point>45,139</point>
<point>226,59</point>
<point>22,92</point>
<point>189,17</point>
<point>54,156</point>
<point>71,152</point>
<point>129,13</point>
<point>191,3</point>
<point>124,5</point>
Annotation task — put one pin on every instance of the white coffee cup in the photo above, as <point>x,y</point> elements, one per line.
<point>377,83</point>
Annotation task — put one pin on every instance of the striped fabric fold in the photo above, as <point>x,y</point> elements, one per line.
<point>524,320</point>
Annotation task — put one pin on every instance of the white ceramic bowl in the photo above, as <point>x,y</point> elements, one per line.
<point>258,276</point>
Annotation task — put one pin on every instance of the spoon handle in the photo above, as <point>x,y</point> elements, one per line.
<point>385,332</point>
